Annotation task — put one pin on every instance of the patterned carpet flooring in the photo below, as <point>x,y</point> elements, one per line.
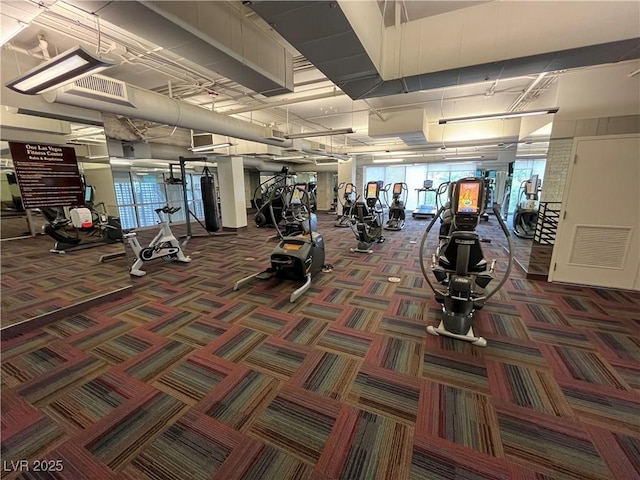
<point>188,379</point>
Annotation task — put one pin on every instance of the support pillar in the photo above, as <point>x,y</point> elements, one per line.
<point>232,193</point>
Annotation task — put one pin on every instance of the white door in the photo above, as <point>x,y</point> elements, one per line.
<point>598,242</point>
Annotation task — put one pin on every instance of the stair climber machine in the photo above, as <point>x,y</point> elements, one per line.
<point>298,257</point>
<point>526,214</point>
<point>396,208</point>
<point>424,210</point>
<point>348,195</point>
<point>367,219</point>
<point>164,245</point>
<point>460,269</point>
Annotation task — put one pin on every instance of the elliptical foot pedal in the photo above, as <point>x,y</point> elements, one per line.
<point>266,275</point>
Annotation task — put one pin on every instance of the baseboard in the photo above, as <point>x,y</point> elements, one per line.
<point>11,331</point>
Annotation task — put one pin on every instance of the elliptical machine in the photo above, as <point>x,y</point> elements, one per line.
<point>348,195</point>
<point>525,217</point>
<point>297,257</point>
<point>164,245</point>
<point>368,219</point>
<point>459,266</point>
<point>396,208</point>
<point>268,199</point>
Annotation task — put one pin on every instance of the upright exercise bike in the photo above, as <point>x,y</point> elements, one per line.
<point>368,219</point>
<point>459,266</point>
<point>164,245</point>
<point>396,208</point>
<point>297,257</point>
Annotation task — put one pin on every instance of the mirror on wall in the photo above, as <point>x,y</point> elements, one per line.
<point>60,227</point>
<point>524,205</point>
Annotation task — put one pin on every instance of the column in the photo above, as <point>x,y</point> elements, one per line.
<point>232,194</point>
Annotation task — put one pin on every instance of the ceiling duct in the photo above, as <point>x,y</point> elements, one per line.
<point>411,126</point>
<point>147,105</point>
<point>323,33</point>
<point>213,35</point>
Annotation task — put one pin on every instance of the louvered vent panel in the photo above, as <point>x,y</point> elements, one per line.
<point>604,247</point>
<point>98,87</point>
<point>102,85</point>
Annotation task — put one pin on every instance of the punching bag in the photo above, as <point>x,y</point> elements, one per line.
<point>209,201</point>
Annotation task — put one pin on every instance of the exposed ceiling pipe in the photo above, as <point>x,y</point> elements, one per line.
<point>286,101</point>
<point>261,165</point>
<point>159,108</point>
<point>24,51</point>
<point>524,94</point>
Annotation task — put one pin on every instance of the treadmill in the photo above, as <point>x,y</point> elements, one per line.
<point>424,210</point>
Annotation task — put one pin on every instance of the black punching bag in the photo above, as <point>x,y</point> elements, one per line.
<point>209,201</point>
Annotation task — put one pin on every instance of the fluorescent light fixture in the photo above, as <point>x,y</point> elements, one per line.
<point>324,133</point>
<point>59,71</point>
<point>476,157</point>
<point>388,160</point>
<point>205,148</point>
<point>499,116</point>
<point>118,161</point>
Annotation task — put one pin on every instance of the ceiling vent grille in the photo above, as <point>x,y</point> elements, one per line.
<point>273,134</point>
<point>100,88</point>
<point>600,246</point>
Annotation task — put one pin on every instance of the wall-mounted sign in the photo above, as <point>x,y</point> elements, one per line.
<point>48,175</point>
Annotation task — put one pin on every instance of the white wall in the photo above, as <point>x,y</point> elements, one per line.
<point>102,179</point>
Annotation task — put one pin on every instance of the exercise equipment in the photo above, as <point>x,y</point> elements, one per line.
<point>333,210</point>
<point>526,214</point>
<point>270,203</point>
<point>209,201</point>
<point>368,218</point>
<point>164,245</point>
<point>69,238</point>
<point>348,195</point>
<point>298,216</point>
<point>297,257</point>
<point>424,210</point>
<point>396,208</point>
<point>459,267</point>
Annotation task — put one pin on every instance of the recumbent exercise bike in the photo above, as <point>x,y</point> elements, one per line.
<point>459,266</point>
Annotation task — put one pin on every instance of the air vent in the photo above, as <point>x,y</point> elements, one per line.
<point>600,246</point>
<point>273,134</point>
<point>100,88</point>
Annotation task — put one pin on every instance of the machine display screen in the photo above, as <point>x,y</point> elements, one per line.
<point>296,197</point>
<point>397,188</point>
<point>88,194</point>
<point>532,185</point>
<point>372,190</point>
<point>427,184</point>
<point>469,197</point>
<point>348,189</point>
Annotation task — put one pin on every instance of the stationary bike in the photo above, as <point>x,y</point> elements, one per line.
<point>396,208</point>
<point>459,266</point>
<point>344,220</point>
<point>164,245</point>
<point>368,218</point>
